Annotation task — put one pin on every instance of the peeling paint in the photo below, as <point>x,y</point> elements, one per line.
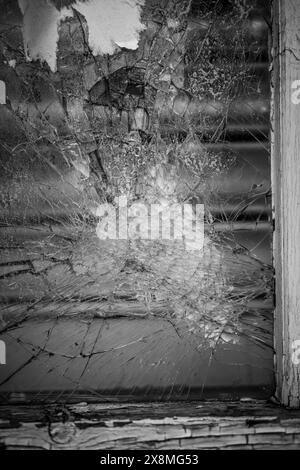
<point>40,29</point>
<point>111,25</point>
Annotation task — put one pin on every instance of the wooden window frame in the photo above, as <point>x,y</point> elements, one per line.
<point>285,164</point>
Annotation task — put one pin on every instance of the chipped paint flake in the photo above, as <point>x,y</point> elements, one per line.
<point>111,25</point>
<point>40,29</point>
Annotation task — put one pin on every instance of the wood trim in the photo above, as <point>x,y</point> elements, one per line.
<point>286,189</point>
<point>197,425</point>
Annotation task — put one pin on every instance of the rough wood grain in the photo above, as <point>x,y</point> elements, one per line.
<point>286,188</point>
<point>206,425</point>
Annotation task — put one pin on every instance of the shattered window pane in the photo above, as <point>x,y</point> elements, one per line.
<point>181,121</point>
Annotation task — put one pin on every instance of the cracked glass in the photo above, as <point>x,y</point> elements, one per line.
<point>182,119</point>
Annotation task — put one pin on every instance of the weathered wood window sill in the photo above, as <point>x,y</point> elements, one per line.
<point>196,425</point>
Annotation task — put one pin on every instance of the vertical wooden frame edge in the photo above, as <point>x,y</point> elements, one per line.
<point>285,158</point>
